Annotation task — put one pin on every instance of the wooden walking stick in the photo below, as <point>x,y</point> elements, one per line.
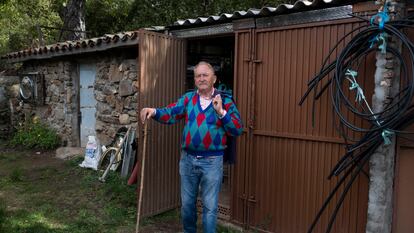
<point>141,184</point>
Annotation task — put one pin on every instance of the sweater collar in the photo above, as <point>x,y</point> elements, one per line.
<point>213,93</point>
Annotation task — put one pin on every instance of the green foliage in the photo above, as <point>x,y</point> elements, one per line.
<point>19,20</point>
<point>144,13</point>
<point>35,135</point>
<point>107,16</point>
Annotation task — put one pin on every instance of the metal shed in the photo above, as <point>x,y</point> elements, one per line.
<point>279,181</point>
<point>266,56</point>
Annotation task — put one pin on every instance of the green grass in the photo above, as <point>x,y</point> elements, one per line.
<point>61,197</point>
<point>16,175</point>
<point>2,214</point>
<point>172,215</point>
<point>8,157</point>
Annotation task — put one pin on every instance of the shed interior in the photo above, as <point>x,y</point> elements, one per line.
<point>219,52</point>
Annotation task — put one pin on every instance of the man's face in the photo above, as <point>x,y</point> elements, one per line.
<point>204,78</point>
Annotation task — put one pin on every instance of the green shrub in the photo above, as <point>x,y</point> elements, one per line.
<point>35,135</point>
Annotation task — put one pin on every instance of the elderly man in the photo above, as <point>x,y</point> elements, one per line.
<point>210,117</point>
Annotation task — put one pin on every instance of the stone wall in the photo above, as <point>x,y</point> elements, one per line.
<point>115,90</point>
<point>59,106</point>
<point>9,93</point>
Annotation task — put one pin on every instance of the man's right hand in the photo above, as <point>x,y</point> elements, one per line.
<point>147,113</point>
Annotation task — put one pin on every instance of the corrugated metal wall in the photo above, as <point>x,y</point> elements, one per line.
<point>404,190</point>
<point>162,63</point>
<point>404,175</point>
<point>280,181</point>
<point>242,82</point>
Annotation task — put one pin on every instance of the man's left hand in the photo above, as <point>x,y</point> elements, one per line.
<point>218,105</point>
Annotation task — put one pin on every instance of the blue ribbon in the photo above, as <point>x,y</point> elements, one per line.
<point>354,85</point>
<point>386,134</point>
<point>380,37</point>
<point>383,17</point>
<point>352,73</point>
<point>383,46</point>
<point>359,94</point>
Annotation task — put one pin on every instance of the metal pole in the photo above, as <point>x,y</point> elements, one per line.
<point>141,184</point>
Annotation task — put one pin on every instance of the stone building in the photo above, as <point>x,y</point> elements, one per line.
<point>278,183</point>
<point>82,88</point>
<point>9,94</point>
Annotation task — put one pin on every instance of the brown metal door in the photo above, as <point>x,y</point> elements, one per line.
<point>162,63</point>
<point>286,161</point>
<point>242,84</point>
<point>403,187</point>
<point>404,193</point>
<point>404,177</point>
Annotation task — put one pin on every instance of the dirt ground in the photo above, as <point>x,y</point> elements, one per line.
<point>40,193</point>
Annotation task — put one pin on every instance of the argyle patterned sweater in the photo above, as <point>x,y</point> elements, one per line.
<point>204,132</point>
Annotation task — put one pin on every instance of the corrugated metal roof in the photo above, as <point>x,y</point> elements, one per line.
<point>300,5</point>
<point>131,38</point>
<point>75,47</point>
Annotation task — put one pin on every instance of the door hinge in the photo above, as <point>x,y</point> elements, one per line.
<point>251,124</point>
<point>252,199</point>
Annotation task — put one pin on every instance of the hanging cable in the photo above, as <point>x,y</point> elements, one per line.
<point>340,78</point>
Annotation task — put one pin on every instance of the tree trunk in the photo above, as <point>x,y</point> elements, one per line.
<point>73,17</point>
<point>380,200</point>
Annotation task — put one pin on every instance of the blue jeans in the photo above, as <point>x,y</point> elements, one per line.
<point>206,173</point>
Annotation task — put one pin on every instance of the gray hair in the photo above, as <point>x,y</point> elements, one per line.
<point>206,64</point>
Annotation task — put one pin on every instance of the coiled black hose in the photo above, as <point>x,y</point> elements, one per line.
<point>394,117</point>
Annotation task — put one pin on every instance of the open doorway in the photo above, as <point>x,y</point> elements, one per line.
<point>219,52</point>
